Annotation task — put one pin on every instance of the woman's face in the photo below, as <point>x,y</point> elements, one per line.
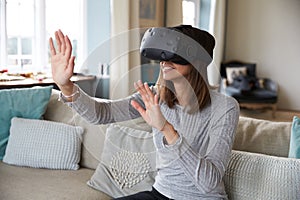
<point>172,71</point>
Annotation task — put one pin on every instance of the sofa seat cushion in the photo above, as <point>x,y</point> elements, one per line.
<point>256,96</point>
<point>31,183</point>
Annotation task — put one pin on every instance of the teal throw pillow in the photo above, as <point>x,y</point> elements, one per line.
<point>28,103</point>
<point>294,151</point>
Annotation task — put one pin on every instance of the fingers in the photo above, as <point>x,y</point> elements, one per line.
<point>140,87</point>
<point>61,44</point>
<point>68,46</point>
<point>148,91</point>
<point>57,42</point>
<point>52,49</point>
<point>61,41</point>
<point>137,106</point>
<point>71,65</point>
<point>144,90</point>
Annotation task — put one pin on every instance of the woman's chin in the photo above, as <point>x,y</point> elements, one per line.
<point>172,78</point>
<point>167,77</point>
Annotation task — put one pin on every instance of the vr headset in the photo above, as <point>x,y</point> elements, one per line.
<point>165,44</point>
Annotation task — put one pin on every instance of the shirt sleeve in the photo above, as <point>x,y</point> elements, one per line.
<point>103,111</point>
<point>207,171</point>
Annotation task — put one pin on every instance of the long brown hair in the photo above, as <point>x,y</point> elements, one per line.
<point>197,83</point>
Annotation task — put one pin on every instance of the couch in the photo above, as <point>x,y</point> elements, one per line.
<point>259,167</point>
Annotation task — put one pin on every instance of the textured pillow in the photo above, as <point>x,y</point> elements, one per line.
<point>127,164</point>
<point>294,151</point>
<point>258,176</point>
<point>26,103</point>
<point>232,72</point>
<point>263,136</point>
<point>43,144</point>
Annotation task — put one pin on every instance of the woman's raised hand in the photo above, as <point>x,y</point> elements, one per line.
<point>62,63</point>
<point>152,114</point>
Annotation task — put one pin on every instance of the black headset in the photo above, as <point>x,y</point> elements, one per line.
<point>165,44</point>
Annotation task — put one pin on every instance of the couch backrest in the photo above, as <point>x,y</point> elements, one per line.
<point>258,176</point>
<point>94,135</point>
<point>253,135</point>
<point>263,136</point>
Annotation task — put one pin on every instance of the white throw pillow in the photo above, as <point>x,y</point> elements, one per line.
<point>43,144</point>
<point>233,72</point>
<point>258,176</point>
<point>128,162</point>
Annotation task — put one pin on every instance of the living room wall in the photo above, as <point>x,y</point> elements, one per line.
<point>98,23</point>
<point>267,32</point>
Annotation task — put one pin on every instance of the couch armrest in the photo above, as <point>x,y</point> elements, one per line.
<point>259,176</point>
<point>270,85</point>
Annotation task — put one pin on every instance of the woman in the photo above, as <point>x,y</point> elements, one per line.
<point>193,125</point>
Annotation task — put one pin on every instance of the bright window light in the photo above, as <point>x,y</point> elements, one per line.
<point>67,17</point>
<point>26,26</point>
<point>190,12</point>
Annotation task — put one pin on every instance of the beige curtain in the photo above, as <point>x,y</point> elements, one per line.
<point>217,29</point>
<point>124,46</point>
<point>173,12</point>
<point>125,56</point>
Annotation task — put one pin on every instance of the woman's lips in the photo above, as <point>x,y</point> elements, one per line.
<point>166,69</point>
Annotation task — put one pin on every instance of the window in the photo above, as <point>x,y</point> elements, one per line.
<point>26,26</point>
<point>190,12</point>
<point>20,33</point>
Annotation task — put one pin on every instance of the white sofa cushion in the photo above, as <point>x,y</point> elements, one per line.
<point>43,144</point>
<point>263,136</point>
<point>127,164</point>
<point>257,176</point>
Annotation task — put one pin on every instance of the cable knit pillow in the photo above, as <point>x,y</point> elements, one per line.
<point>258,176</point>
<point>127,164</point>
<point>43,144</point>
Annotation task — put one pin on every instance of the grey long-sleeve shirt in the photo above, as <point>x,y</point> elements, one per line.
<point>193,167</point>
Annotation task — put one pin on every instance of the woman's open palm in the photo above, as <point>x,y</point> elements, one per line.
<point>62,63</point>
<point>152,113</point>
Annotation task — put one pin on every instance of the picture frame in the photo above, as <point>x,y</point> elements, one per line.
<point>151,13</point>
